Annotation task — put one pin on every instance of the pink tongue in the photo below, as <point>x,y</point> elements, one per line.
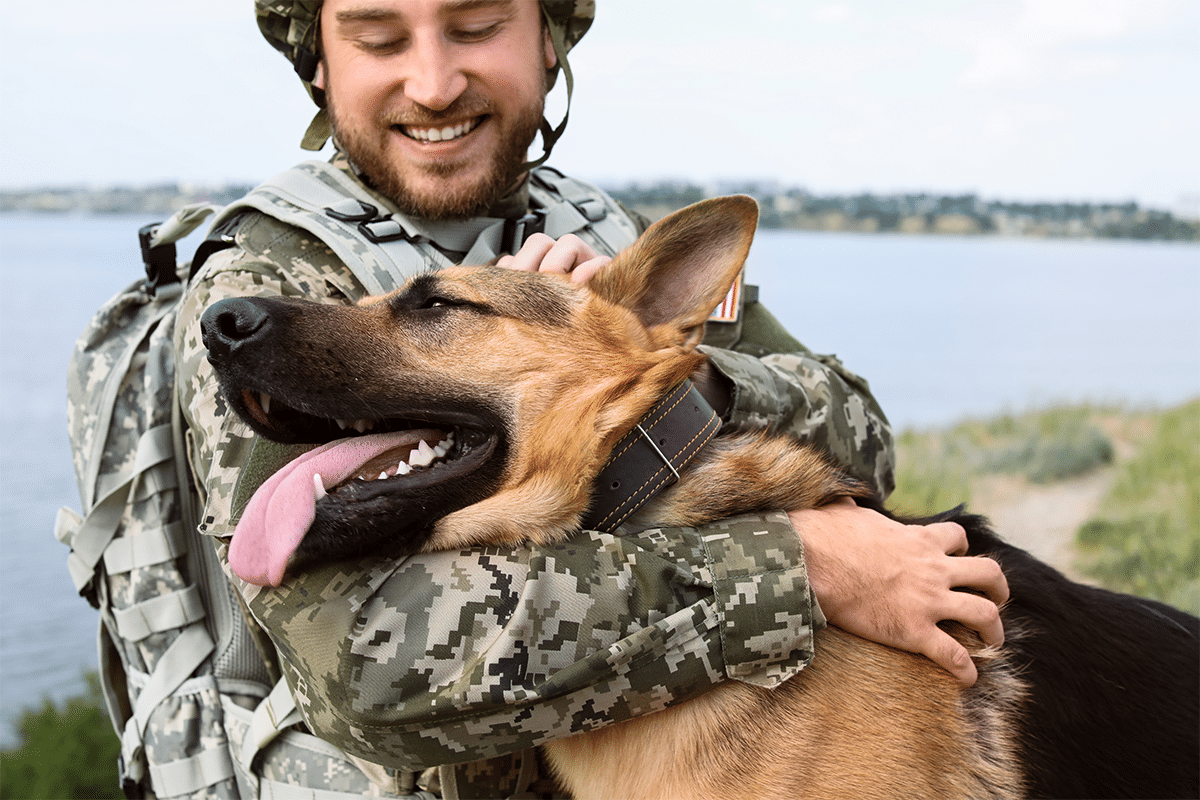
<point>283,508</point>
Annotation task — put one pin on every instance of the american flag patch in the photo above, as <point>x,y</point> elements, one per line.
<point>731,305</point>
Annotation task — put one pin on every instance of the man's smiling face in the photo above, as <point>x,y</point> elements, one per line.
<point>436,101</point>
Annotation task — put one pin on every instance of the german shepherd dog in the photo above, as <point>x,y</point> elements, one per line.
<point>514,388</point>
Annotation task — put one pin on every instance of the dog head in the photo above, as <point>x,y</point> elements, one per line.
<point>474,405</point>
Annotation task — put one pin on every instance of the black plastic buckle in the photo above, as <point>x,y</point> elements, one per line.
<point>159,261</point>
<point>517,230</point>
<point>305,63</point>
<point>131,788</point>
<point>368,215</point>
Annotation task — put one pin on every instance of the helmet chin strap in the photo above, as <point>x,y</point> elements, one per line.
<point>319,131</point>
<point>550,135</point>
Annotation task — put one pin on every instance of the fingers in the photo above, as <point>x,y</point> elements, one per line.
<point>569,255</point>
<point>584,272</point>
<point>950,536</point>
<point>979,614</point>
<point>979,574</point>
<point>943,650</point>
<point>529,257</point>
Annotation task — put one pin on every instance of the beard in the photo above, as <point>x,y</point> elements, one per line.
<point>367,148</point>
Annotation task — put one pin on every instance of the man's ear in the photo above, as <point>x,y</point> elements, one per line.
<point>549,57</point>
<point>683,266</point>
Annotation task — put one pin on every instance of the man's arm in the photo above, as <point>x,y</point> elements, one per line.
<point>884,581</point>
<point>421,658</point>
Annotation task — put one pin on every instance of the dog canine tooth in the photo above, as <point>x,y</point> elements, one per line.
<point>264,400</point>
<point>318,486</point>
<point>423,456</point>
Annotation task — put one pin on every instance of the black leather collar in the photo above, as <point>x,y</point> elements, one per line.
<point>648,458</point>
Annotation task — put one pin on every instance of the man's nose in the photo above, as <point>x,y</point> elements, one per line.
<point>434,79</point>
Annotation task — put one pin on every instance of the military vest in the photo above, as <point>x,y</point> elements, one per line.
<point>198,709</point>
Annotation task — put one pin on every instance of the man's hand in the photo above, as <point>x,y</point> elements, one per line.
<point>892,583</point>
<point>569,255</point>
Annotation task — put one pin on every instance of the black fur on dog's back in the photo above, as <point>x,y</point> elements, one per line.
<point>1114,681</point>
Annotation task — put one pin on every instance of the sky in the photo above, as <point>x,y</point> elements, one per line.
<point>1019,100</point>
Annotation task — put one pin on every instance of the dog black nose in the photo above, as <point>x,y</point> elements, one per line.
<point>231,323</point>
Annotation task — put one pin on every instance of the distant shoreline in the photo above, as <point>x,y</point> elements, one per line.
<point>780,209</point>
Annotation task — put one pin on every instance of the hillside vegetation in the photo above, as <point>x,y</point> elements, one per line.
<point>1128,480</point>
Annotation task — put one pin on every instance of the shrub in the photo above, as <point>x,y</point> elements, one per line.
<point>67,751</point>
<point>1146,537</point>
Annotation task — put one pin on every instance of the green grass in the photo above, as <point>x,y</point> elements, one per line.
<point>1145,539</point>
<point>936,468</point>
<point>66,751</point>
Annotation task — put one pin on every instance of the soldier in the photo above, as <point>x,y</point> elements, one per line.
<point>457,658</point>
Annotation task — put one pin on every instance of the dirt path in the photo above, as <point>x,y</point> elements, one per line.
<point>1043,519</point>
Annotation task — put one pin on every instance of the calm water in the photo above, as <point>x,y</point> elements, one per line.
<point>943,328</point>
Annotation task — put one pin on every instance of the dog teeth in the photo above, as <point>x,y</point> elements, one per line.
<point>318,486</point>
<point>343,424</point>
<point>264,400</point>
<point>423,456</point>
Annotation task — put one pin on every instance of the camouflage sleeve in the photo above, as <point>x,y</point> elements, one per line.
<point>459,656</point>
<point>781,385</point>
<point>454,657</point>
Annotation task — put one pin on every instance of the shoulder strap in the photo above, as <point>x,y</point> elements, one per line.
<point>383,248</point>
<point>574,205</point>
<point>319,198</point>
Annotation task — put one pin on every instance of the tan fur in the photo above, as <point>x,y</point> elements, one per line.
<point>863,721</point>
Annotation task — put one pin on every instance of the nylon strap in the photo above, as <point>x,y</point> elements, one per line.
<point>100,525</point>
<point>274,713</point>
<point>158,614</point>
<point>190,775</point>
<point>146,548</point>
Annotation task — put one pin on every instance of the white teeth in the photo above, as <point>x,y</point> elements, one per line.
<point>318,486</point>
<point>423,456</point>
<point>440,134</point>
<point>264,400</point>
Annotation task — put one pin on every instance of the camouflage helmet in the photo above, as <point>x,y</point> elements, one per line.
<point>291,28</point>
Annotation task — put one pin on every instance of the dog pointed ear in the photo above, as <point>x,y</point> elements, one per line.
<point>681,268</point>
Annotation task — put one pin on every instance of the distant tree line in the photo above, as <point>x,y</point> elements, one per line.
<point>966,214</point>
<point>920,213</point>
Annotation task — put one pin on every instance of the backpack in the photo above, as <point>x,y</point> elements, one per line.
<point>192,691</point>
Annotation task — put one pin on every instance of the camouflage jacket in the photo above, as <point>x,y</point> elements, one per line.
<point>454,657</point>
